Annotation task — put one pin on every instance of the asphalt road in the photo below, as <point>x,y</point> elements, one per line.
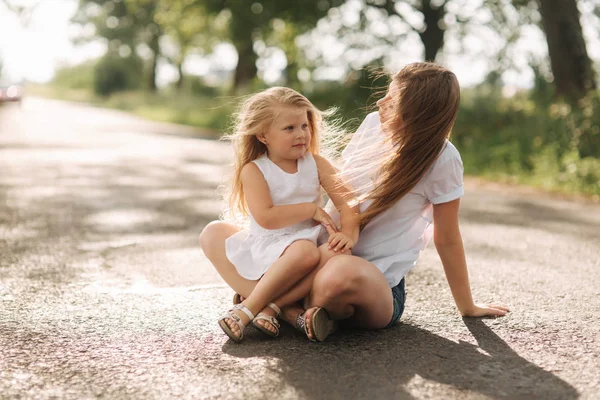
<point>105,293</point>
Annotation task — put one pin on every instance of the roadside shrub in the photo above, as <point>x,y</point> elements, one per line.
<point>113,73</point>
<point>75,77</point>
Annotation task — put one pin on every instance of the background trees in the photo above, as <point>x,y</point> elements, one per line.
<point>535,112</point>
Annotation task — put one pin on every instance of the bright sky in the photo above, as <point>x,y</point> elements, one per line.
<point>33,52</point>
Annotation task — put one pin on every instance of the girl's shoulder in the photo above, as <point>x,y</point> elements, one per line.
<point>262,162</point>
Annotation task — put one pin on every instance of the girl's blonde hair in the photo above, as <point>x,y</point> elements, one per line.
<point>425,109</point>
<point>255,117</point>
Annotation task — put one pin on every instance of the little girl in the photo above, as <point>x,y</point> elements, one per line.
<point>277,180</point>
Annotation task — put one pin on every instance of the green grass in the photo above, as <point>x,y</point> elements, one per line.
<point>204,112</point>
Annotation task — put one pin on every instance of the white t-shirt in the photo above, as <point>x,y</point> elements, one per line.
<point>393,240</point>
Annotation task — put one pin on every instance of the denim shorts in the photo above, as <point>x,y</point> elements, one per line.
<point>398,297</point>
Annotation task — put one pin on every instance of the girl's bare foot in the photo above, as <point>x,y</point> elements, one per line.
<point>265,323</point>
<point>235,320</point>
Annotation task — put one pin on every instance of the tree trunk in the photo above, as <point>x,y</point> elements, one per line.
<point>179,83</point>
<point>155,47</point>
<point>571,65</point>
<point>433,35</point>
<point>246,70</point>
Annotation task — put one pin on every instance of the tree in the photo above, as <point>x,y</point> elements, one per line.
<point>150,32</point>
<point>124,24</point>
<point>431,31</point>
<point>571,65</point>
<point>188,25</point>
<point>253,20</point>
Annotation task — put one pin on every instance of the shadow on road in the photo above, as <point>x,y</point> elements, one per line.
<point>404,360</point>
<point>523,213</point>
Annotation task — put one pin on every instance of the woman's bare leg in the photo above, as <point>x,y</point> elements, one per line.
<point>351,289</point>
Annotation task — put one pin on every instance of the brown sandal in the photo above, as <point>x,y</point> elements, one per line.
<point>320,324</point>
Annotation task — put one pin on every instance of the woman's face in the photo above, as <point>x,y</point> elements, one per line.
<point>387,105</point>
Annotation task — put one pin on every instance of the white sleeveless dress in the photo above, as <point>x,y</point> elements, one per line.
<point>255,249</point>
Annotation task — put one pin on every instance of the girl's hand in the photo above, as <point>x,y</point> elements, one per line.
<point>321,216</point>
<point>486,310</point>
<point>339,241</point>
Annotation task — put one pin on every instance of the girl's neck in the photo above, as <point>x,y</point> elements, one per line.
<point>287,165</point>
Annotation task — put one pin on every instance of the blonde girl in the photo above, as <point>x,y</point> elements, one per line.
<point>277,179</point>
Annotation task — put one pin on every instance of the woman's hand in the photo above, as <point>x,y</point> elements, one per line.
<point>322,217</point>
<point>486,310</point>
<point>340,241</point>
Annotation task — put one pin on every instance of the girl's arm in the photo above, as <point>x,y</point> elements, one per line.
<point>448,242</point>
<point>265,213</point>
<point>341,196</point>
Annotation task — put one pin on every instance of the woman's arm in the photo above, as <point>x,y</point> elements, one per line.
<point>341,196</point>
<point>448,242</point>
<point>265,213</point>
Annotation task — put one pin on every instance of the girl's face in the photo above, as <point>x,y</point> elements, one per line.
<point>387,105</point>
<point>289,136</point>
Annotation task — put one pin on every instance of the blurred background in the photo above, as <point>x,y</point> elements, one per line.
<point>530,108</point>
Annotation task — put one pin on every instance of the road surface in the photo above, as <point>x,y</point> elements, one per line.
<point>105,293</point>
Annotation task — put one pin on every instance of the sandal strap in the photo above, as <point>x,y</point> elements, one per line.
<point>244,309</point>
<point>269,318</point>
<point>301,322</point>
<point>275,308</point>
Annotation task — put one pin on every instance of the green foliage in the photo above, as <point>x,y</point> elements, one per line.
<point>113,74</point>
<point>213,113</point>
<point>551,145</point>
<point>125,25</point>
<point>76,77</point>
<point>274,22</point>
<point>354,99</point>
<point>528,138</point>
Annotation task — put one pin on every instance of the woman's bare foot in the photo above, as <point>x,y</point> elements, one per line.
<point>291,315</point>
<point>314,322</point>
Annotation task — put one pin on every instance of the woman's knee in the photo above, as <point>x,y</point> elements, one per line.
<point>327,254</point>
<point>338,277</point>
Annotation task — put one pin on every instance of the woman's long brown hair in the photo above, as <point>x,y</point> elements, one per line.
<point>425,109</point>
